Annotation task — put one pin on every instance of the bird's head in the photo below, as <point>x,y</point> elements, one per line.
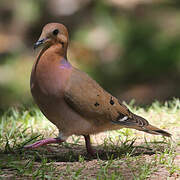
<point>53,33</point>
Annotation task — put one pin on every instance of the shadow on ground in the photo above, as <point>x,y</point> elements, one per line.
<point>72,153</point>
<point>69,160</point>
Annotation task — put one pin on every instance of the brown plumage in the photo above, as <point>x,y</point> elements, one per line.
<point>72,100</point>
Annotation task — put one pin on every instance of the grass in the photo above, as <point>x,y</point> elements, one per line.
<point>122,154</point>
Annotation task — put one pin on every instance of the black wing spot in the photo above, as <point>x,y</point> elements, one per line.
<point>96,104</point>
<point>98,95</point>
<point>111,101</point>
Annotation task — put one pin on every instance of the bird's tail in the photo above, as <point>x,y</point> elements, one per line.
<point>131,120</point>
<point>154,130</point>
<point>148,128</point>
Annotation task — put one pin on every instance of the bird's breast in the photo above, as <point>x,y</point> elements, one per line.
<point>49,79</point>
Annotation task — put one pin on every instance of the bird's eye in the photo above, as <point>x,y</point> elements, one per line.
<point>55,32</point>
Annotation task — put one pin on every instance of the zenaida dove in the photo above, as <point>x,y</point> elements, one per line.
<point>72,100</point>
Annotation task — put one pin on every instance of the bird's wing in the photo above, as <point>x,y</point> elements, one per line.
<point>87,98</point>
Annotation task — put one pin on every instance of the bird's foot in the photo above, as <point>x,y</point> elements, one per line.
<point>43,142</point>
<point>91,152</point>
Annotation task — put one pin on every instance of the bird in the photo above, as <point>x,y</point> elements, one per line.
<point>69,98</point>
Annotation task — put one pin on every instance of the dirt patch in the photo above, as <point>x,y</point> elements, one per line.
<point>144,160</point>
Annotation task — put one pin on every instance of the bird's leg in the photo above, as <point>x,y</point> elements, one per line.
<point>89,148</point>
<point>44,142</point>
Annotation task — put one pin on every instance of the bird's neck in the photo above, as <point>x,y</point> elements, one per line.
<point>58,49</point>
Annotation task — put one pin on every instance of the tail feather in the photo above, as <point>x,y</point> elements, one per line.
<point>131,120</point>
<point>146,127</point>
<point>154,130</point>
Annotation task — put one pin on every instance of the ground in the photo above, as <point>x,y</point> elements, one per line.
<point>122,154</point>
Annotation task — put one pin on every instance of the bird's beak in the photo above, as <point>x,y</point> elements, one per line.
<point>38,43</point>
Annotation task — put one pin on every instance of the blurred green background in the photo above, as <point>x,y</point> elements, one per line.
<point>132,48</point>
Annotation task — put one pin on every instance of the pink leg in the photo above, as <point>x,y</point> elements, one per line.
<point>88,145</point>
<point>43,142</point>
